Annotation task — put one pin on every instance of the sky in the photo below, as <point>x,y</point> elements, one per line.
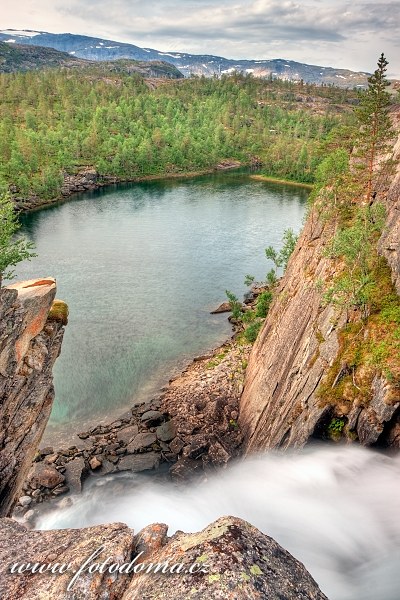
<point>340,34</point>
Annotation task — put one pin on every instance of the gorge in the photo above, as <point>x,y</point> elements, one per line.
<point>319,371</point>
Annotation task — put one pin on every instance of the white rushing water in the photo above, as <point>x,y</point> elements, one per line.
<point>334,508</point>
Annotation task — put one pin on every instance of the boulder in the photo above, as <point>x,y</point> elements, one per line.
<point>75,472</point>
<point>73,546</point>
<point>139,462</point>
<point>46,476</point>
<point>229,559</point>
<point>95,463</point>
<point>199,446</point>
<point>166,432</point>
<point>25,500</point>
<point>233,560</point>
<point>185,469</point>
<point>222,308</point>
<point>152,418</point>
<point>127,434</point>
<point>141,441</point>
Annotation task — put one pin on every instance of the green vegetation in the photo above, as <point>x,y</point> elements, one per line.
<point>62,120</point>
<point>335,428</point>
<point>355,244</point>
<point>251,319</point>
<point>251,332</point>
<point>281,258</point>
<point>11,251</point>
<point>264,301</point>
<point>217,359</point>
<point>376,127</point>
<point>59,312</point>
<point>369,343</point>
<point>367,346</point>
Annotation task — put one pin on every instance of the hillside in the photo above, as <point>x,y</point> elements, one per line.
<point>16,58</point>
<point>99,49</point>
<point>26,58</point>
<point>123,127</point>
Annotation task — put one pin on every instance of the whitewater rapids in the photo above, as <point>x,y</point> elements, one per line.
<point>336,509</point>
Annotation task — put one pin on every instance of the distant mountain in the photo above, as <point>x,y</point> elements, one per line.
<point>20,57</point>
<point>105,50</point>
<point>25,58</point>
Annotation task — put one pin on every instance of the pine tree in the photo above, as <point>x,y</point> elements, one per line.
<point>376,130</point>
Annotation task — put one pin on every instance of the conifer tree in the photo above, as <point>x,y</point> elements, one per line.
<point>376,130</point>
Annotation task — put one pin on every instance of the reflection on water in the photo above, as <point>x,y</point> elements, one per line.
<point>140,267</point>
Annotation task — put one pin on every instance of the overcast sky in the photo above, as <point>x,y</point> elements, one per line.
<point>340,34</point>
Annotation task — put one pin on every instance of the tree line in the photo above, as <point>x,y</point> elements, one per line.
<point>59,121</point>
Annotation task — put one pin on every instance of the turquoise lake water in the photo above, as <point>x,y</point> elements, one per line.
<point>141,266</point>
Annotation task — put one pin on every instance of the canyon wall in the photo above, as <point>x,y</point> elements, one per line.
<point>30,340</point>
<point>299,343</point>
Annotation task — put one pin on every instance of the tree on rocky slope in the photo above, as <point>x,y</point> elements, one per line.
<point>376,130</point>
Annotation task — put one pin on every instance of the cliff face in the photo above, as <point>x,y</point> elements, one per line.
<point>299,343</point>
<point>30,341</point>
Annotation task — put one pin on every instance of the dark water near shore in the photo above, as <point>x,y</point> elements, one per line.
<point>140,267</point>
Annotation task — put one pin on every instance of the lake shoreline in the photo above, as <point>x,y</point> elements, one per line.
<point>89,179</point>
<point>267,178</point>
<point>201,398</point>
<point>185,430</point>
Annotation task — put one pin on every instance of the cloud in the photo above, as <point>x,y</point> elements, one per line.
<point>313,19</point>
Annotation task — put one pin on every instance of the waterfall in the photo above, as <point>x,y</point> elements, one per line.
<point>334,508</point>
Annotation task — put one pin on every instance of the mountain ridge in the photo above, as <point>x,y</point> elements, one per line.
<point>99,49</point>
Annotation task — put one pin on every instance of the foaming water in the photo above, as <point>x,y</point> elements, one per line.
<point>335,509</point>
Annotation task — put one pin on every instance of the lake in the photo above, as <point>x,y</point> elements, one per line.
<point>141,266</point>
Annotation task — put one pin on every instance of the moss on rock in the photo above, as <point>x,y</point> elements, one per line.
<point>59,312</point>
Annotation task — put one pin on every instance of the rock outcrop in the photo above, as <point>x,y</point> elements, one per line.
<point>84,180</point>
<point>299,343</point>
<point>30,341</point>
<point>229,559</point>
<point>389,244</point>
<point>66,546</point>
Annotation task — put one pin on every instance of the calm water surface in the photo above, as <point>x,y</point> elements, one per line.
<point>140,267</point>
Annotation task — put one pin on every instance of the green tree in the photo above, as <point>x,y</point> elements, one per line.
<point>281,258</point>
<point>355,244</point>
<point>11,251</point>
<point>376,129</point>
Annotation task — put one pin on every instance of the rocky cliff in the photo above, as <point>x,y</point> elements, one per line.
<point>229,559</point>
<point>300,342</point>
<point>31,332</point>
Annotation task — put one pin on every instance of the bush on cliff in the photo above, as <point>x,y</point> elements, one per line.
<point>12,251</point>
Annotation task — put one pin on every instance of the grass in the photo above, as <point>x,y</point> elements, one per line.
<point>216,360</point>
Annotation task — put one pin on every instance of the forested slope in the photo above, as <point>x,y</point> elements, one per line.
<point>58,121</point>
